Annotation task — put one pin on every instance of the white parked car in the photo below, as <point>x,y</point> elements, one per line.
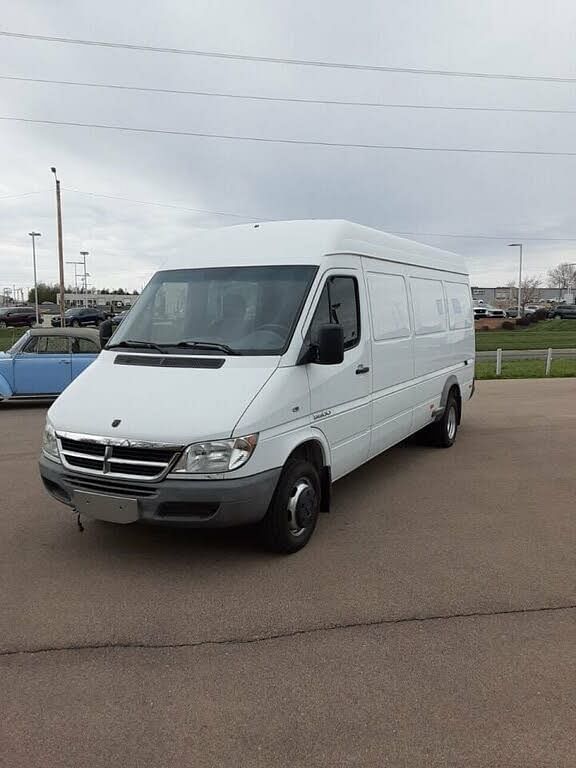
<point>485,310</point>
<point>268,361</point>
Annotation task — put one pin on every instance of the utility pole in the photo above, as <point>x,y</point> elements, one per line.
<point>34,235</point>
<point>519,245</point>
<point>60,247</point>
<point>84,254</point>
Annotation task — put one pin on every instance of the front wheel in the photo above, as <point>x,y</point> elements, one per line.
<point>75,323</point>
<point>293,512</point>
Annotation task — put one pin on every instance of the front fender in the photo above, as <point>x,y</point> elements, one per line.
<point>5,389</point>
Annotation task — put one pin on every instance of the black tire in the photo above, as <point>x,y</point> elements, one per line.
<point>442,434</point>
<point>75,323</point>
<point>557,317</point>
<point>287,529</point>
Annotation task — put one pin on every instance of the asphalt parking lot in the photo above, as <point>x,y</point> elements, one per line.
<point>430,622</point>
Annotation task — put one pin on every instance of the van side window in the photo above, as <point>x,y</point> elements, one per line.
<point>338,304</point>
<point>389,305</point>
<point>429,309</point>
<point>459,305</point>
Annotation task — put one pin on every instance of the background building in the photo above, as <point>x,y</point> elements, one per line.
<point>116,301</point>
<point>505,295</point>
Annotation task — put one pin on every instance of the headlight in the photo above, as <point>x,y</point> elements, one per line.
<point>217,456</point>
<point>50,443</point>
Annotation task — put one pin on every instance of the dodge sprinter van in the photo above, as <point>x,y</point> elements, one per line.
<point>263,364</point>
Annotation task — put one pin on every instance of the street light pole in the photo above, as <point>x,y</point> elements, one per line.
<point>34,235</point>
<point>76,263</point>
<point>519,245</point>
<point>60,246</point>
<point>84,254</point>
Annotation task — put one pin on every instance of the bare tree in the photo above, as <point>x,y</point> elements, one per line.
<point>530,287</point>
<point>563,276</point>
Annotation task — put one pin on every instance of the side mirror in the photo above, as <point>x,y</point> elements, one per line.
<point>106,330</point>
<point>330,345</point>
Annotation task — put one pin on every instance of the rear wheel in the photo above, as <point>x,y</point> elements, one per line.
<point>293,511</point>
<point>76,323</point>
<point>443,432</point>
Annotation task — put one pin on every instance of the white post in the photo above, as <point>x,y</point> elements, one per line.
<point>548,361</point>
<point>498,362</point>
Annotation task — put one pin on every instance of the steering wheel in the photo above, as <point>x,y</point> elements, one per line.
<point>281,330</point>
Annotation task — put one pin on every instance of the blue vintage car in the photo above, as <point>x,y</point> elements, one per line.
<point>44,361</point>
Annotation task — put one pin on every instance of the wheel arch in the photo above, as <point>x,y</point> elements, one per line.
<point>451,385</point>
<point>316,451</point>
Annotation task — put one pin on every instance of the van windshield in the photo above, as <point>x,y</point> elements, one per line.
<point>234,310</point>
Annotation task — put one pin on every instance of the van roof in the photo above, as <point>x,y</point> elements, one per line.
<point>306,242</point>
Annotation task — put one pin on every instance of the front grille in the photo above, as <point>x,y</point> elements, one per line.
<point>104,485</point>
<point>102,457</point>
<point>93,449</point>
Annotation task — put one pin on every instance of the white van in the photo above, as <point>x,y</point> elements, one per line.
<point>269,361</point>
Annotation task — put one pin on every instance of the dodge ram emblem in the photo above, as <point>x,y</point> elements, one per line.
<point>116,422</point>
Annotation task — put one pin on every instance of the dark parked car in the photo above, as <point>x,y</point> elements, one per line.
<point>563,312</point>
<point>81,316</point>
<point>17,317</point>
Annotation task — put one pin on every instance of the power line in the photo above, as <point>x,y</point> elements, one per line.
<point>297,62</point>
<point>459,235</point>
<point>305,142</point>
<point>22,194</point>
<point>162,205</point>
<point>286,99</point>
<point>463,236</point>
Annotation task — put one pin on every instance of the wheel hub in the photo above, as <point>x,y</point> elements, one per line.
<point>301,507</point>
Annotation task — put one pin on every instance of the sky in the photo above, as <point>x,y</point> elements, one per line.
<point>510,197</point>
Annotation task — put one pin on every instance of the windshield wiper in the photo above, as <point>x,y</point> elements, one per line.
<point>137,345</point>
<point>206,345</point>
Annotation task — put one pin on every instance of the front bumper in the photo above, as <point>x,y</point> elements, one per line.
<point>185,503</point>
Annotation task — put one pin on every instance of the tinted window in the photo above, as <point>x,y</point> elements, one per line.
<point>84,346</point>
<point>429,310</point>
<point>338,304</point>
<point>389,305</point>
<point>252,310</point>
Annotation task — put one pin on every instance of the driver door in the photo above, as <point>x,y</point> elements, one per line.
<point>341,394</point>
<point>43,367</point>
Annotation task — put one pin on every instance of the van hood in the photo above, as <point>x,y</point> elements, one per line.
<point>165,404</point>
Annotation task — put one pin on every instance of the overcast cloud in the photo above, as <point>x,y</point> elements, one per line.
<point>518,196</point>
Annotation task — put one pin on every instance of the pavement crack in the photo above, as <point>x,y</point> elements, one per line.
<point>285,634</point>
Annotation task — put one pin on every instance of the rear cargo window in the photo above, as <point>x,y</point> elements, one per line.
<point>459,305</point>
<point>389,305</point>
<point>429,309</point>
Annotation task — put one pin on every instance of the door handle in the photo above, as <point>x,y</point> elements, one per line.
<point>362,369</point>
<point>64,362</point>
